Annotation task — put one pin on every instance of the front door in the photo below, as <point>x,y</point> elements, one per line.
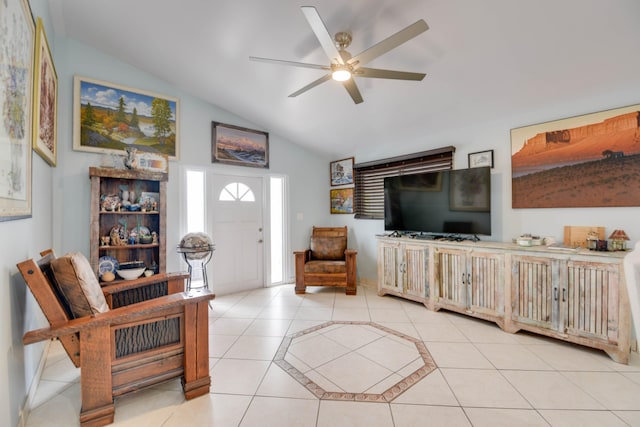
<point>235,219</point>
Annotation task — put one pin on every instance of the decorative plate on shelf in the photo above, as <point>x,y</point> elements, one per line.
<point>141,230</point>
<point>107,263</point>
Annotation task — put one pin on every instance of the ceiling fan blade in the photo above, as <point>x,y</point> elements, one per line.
<point>323,36</point>
<point>389,43</point>
<point>292,63</point>
<point>388,74</point>
<point>311,85</point>
<point>352,88</point>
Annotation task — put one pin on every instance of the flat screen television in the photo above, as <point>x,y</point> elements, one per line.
<point>444,202</point>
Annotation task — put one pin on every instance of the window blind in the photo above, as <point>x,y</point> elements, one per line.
<point>369,177</point>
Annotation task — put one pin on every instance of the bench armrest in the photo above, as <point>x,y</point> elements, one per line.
<point>132,313</point>
<point>175,279</point>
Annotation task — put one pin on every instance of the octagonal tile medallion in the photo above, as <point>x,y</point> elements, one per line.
<point>356,361</point>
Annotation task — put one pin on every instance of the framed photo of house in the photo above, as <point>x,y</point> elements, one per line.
<point>341,172</point>
<point>582,161</point>
<point>481,158</point>
<point>342,200</point>
<point>110,118</point>
<point>235,145</point>
<point>45,99</point>
<point>16,91</point>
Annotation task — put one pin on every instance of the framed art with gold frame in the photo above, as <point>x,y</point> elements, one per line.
<point>45,99</point>
<point>341,200</point>
<point>109,118</point>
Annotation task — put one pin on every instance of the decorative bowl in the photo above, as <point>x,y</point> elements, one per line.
<point>146,239</point>
<point>130,265</point>
<point>131,274</point>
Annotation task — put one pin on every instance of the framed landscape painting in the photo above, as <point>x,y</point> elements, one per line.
<point>45,99</point>
<point>235,145</point>
<point>591,160</point>
<point>16,98</point>
<point>110,118</point>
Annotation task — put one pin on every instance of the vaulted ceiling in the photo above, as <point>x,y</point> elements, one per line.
<point>483,59</point>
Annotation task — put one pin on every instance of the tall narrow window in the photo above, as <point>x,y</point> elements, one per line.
<point>277,229</point>
<point>195,200</point>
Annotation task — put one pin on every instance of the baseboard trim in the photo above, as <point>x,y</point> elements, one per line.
<point>33,387</point>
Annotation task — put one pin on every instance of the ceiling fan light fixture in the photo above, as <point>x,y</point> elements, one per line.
<point>341,75</point>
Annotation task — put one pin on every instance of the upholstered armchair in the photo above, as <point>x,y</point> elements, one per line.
<point>327,261</point>
<point>124,336</point>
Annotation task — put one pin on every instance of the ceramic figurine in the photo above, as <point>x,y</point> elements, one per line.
<point>130,160</point>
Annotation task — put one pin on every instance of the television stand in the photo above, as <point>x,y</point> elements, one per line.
<point>574,296</point>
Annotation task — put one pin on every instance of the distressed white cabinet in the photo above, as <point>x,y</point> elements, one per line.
<point>578,300</point>
<point>578,297</point>
<point>402,270</point>
<point>469,280</point>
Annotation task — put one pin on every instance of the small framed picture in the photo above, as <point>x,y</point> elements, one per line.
<point>236,145</point>
<point>341,172</point>
<point>481,158</point>
<point>342,200</point>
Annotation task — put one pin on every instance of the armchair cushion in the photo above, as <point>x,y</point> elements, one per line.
<point>79,285</point>
<point>327,267</point>
<point>328,248</point>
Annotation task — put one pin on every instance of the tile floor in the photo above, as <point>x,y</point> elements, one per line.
<point>484,377</point>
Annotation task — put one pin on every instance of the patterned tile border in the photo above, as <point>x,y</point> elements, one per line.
<point>387,396</point>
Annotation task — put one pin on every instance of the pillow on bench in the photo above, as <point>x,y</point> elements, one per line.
<point>79,285</point>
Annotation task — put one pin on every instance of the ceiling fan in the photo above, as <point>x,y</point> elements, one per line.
<point>343,67</point>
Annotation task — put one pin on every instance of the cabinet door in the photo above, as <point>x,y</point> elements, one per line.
<point>414,270</point>
<point>534,295</point>
<point>590,300</point>
<point>389,267</point>
<point>451,273</point>
<point>486,282</point>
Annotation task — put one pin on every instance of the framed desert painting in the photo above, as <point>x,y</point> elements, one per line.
<point>236,145</point>
<point>45,99</point>
<point>111,118</point>
<point>16,93</point>
<point>591,160</point>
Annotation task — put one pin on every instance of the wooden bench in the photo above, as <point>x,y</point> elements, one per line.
<point>152,332</point>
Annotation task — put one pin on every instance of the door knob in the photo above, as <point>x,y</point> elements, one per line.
<point>260,241</point>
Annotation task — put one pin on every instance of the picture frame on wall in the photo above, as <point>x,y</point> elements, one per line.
<point>481,158</point>
<point>45,98</point>
<point>341,172</point>
<point>109,118</point>
<point>581,161</point>
<point>341,200</point>
<point>16,88</point>
<point>240,146</point>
